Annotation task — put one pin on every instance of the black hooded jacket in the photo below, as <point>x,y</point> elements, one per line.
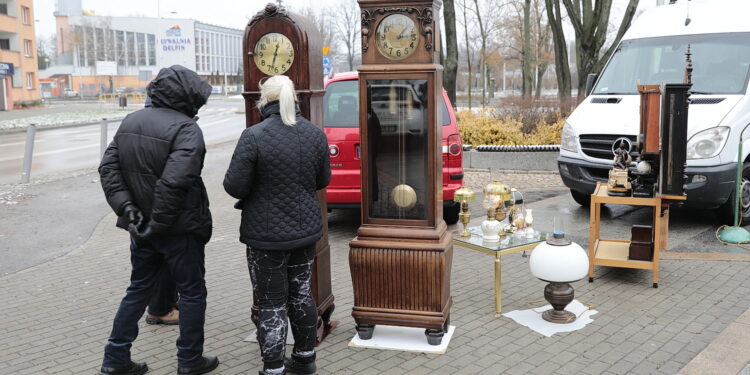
<point>156,157</point>
<point>276,171</point>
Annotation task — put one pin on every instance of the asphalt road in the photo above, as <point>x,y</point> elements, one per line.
<point>69,149</point>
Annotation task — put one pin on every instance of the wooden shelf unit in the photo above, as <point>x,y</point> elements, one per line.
<point>614,253</point>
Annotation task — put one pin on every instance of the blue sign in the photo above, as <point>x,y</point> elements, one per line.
<point>6,69</point>
<point>327,68</point>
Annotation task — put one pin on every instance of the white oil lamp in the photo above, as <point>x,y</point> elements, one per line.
<point>559,262</point>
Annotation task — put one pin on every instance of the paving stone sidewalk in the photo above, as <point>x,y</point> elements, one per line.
<point>56,316</point>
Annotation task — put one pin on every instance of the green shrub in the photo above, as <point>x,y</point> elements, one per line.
<point>485,129</point>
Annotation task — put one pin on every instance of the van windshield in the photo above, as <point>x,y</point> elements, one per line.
<point>720,64</point>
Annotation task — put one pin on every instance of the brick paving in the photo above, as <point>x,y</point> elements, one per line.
<point>56,316</point>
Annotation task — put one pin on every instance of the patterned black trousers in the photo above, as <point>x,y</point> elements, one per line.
<point>282,285</point>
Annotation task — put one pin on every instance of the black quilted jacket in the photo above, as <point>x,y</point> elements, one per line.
<point>275,172</point>
<point>156,158</point>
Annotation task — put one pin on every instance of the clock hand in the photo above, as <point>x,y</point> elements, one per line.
<point>275,53</point>
<point>401,34</point>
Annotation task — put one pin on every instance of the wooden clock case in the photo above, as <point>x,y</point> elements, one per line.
<point>401,268</point>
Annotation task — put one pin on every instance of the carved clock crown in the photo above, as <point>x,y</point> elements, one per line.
<point>270,11</point>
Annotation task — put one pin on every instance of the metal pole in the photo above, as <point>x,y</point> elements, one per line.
<point>103,146</point>
<point>30,134</point>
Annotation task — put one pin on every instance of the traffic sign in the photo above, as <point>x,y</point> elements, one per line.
<point>327,68</point>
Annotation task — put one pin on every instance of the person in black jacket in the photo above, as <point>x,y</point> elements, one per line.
<point>162,309</point>
<point>276,170</point>
<point>150,174</point>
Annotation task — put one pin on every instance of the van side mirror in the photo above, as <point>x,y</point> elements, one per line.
<point>590,81</point>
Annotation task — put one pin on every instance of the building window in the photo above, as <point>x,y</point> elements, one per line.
<point>4,9</point>
<point>30,81</point>
<point>27,48</point>
<point>141,48</point>
<point>100,44</point>
<point>5,44</point>
<point>24,15</point>
<point>131,49</point>
<point>111,51</point>
<point>151,49</point>
<point>121,49</point>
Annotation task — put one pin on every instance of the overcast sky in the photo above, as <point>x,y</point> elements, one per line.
<point>229,13</point>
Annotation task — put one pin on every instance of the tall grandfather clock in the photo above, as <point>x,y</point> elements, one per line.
<point>400,260</point>
<point>281,42</point>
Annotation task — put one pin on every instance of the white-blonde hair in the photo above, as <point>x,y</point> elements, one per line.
<point>280,88</point>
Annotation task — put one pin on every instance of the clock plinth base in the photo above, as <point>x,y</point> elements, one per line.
<point>402,281</point>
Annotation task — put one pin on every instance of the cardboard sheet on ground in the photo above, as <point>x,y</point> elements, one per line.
<point>406,339</point>
<point>532,318</point>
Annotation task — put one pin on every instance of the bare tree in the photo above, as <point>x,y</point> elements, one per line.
<point>590,23</point>
<point>465,11</point>
<point>346,23</point>
<point>527,57</point>
<point>483,51</point>
<point>555,19</point>
<point>542,44</point>
<point>486,12</point>
<point>321,18</point>
<point>451,47</point>
<point>45,51</point>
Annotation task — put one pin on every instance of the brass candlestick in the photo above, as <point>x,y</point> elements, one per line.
<point>463,196</point>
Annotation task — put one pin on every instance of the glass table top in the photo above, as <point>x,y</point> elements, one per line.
<point>508,241</point>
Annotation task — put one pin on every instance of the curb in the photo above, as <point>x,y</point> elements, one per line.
<point>518,148</point>
<point>47,127</point>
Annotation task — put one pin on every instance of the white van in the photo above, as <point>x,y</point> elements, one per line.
<point>653,52</point>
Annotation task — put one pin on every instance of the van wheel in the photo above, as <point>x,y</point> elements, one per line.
<point>726,211</point>
<point>581,198</point>
<point>450,212</point>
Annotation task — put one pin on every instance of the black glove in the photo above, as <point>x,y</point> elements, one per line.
<point>145,232</point>
<point>134,215</point>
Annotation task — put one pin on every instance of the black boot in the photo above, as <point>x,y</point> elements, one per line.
<point>301,365</point>
<point>134,368</point>
<point>208,364</point>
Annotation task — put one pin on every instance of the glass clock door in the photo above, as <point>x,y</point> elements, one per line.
<point>397,121</point>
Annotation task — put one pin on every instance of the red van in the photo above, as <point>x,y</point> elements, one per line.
<point>341,124</point>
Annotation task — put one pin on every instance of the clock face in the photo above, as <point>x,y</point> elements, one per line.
<point>273,54</point>
<point>397,37</point>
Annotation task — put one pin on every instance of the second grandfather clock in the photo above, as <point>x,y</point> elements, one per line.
<point>400,261</point>
<point>281,42</point>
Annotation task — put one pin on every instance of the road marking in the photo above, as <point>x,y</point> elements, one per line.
<point>45,153</point>
<point>214,123</point>
<point>22,143</point>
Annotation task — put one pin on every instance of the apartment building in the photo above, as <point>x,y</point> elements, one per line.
<point>18,60</point>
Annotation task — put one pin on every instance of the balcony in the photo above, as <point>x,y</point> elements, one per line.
<point>8,24</point>
<point>13,57</point>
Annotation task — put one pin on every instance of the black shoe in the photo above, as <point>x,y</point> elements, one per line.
<point>301,365</point>
<point>263,372</point>
<point>209,363</point>
<point>134,368</point>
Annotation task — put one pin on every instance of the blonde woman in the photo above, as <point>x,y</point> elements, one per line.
<point>277,168</point>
